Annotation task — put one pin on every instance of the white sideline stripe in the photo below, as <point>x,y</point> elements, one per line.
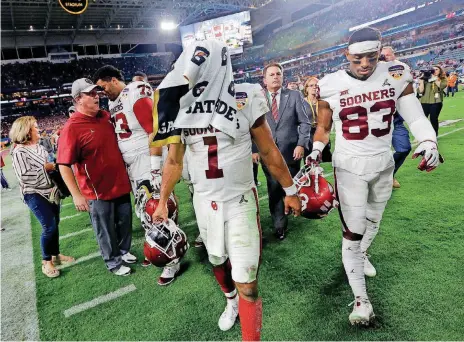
<point>70,216</point>
<point>99,300</point>
<point>444,134</point>
<point>75,233</point>
<point>78,261</point>
<point>67,204</point>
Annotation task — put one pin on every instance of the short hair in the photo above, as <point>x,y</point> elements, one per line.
<point>389,47</point>
<point>272,65</point>
<point>21,128</point>
<point>365,34</point>
<point>106,73</point>
<point>140,74</point>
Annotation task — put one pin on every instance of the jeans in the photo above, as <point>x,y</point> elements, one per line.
<point>400,142</point>
<point>112,224</point>
<point>4,181</point>
<point>48,214</point>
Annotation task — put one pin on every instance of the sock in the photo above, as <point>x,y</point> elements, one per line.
<point>223,274</point>
<point>372,228</point>
<point>354,266</point>
<point>251,317</point>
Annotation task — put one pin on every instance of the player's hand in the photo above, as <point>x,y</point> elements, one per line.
<point>255,157</point>
<point>298,153</point>
<point>81,203</point>
<point>292,204</point>
<point>156,180</point>
<point>314,158</point>
<point>161,213</point>
<point>430,156</point>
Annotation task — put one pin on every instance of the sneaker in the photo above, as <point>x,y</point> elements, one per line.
<point>123,271</point>
<point>369,269</point>
<point>362,313</point>
<point>396,184</point>
<point>199,242</point>
<point>229,316</point>
<point>129,258</point>
<point>169,274</point>
<point>146,263</point>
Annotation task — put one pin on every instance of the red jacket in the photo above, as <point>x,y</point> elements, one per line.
<point>90,144</point>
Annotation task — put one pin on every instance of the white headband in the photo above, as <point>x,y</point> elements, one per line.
<point>364,47</point>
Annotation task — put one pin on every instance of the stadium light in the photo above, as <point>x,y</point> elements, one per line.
<point>168,25</point>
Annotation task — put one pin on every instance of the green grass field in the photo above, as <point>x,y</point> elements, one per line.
<point>417,294</point>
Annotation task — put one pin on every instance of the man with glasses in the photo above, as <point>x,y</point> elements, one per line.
<point>89,144</point>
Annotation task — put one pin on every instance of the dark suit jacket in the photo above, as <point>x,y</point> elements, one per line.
<point>293,126</point>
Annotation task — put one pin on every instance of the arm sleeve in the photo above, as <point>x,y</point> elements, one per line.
<point>143,109</point>
<point>27,173</point>
<point>304,131</point>
<point>412,112</point>
<point>68,152</point>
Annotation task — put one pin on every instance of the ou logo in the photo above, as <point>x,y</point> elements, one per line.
<point>304,201</point>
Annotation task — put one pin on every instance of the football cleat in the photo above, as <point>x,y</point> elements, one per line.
<point>369,269</point>
<point>199,242</point>
<point>362,313</point>
<point>316,193</point>
<point>169,274</point>
<point>229,316</point>
<point>165,243</point>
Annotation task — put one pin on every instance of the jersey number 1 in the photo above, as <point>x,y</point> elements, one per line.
<point>361,120</point>
<point>213,171</point>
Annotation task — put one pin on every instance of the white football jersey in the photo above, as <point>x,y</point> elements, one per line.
<point>221,167</point>
<point>132,138</point>
<point>363,115</point>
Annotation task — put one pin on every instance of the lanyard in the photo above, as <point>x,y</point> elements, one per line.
<point>314,111</point>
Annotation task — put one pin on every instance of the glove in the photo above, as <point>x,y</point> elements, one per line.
<point>314,158</point>
<point>156,180</point>
<point>430,156</point>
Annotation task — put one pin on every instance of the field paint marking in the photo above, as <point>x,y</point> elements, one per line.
<point>67,204</point>
<point>78,261</point>
<point>75,233</point>
<point>443,135</point>
<point>70,216</point>
<point>99,300</point>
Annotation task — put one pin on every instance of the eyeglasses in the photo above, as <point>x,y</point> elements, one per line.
<point>92,93</point>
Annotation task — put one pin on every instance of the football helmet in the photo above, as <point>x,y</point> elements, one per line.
<point>316,193</point>
<point>152,204</point>
<point>165,243</point>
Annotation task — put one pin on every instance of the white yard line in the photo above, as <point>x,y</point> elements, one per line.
<point>99,300</point>
<point>442,135</point>
<point>76,233</point>
<point>78,261</point>
<point>70,216</point>
<point>67,204</point>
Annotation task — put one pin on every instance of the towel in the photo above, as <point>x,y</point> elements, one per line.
<point>197,92</point>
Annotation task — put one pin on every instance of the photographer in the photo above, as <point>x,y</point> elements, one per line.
<point>432,83</point>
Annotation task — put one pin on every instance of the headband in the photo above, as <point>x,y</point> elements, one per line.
<point>364,47</point>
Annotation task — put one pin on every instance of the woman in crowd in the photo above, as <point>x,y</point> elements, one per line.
<point>310,95</point>
<point>38,192</point>
<point>432,91</point>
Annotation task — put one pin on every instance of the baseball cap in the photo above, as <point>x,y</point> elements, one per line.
<point>82,85</point>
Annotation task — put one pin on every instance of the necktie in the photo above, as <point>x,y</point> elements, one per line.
<point>275,109</point>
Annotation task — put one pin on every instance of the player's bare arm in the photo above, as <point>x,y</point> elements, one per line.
<point>411,111</point>
<point>324,123</point>
<point>274,161</point>
<point>172,171</point>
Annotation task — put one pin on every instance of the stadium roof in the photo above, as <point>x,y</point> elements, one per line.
<point>18,16</point>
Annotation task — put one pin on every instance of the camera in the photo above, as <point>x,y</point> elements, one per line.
<point>426,74</point>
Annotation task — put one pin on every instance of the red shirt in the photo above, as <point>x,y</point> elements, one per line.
<point>90,144</point>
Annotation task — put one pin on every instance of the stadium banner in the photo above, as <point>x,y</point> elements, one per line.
<point>234,30</point>
<point>74,6</point>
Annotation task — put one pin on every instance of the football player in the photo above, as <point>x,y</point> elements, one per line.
<point>226,202</point>
<point>361,102</point>
<point>131,108</point>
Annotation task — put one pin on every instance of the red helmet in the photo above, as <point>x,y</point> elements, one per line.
<point>316,193</point>
<point>165,243</point>
<point>152,204</point>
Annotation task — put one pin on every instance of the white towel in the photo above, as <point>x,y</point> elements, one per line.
<point>198,92</point>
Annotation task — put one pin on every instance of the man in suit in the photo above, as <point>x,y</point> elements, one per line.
<point>291,126</point>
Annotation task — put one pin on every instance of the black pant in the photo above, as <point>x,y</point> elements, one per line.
<point>433,109</point>
<point>276,197</point>
<point>255,173</point>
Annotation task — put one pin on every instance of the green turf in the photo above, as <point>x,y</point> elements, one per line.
<point>417,294</point>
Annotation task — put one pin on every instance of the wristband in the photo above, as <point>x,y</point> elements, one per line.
<point>318,145</point>
<point>155,162</point>
<point>291,190</point>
